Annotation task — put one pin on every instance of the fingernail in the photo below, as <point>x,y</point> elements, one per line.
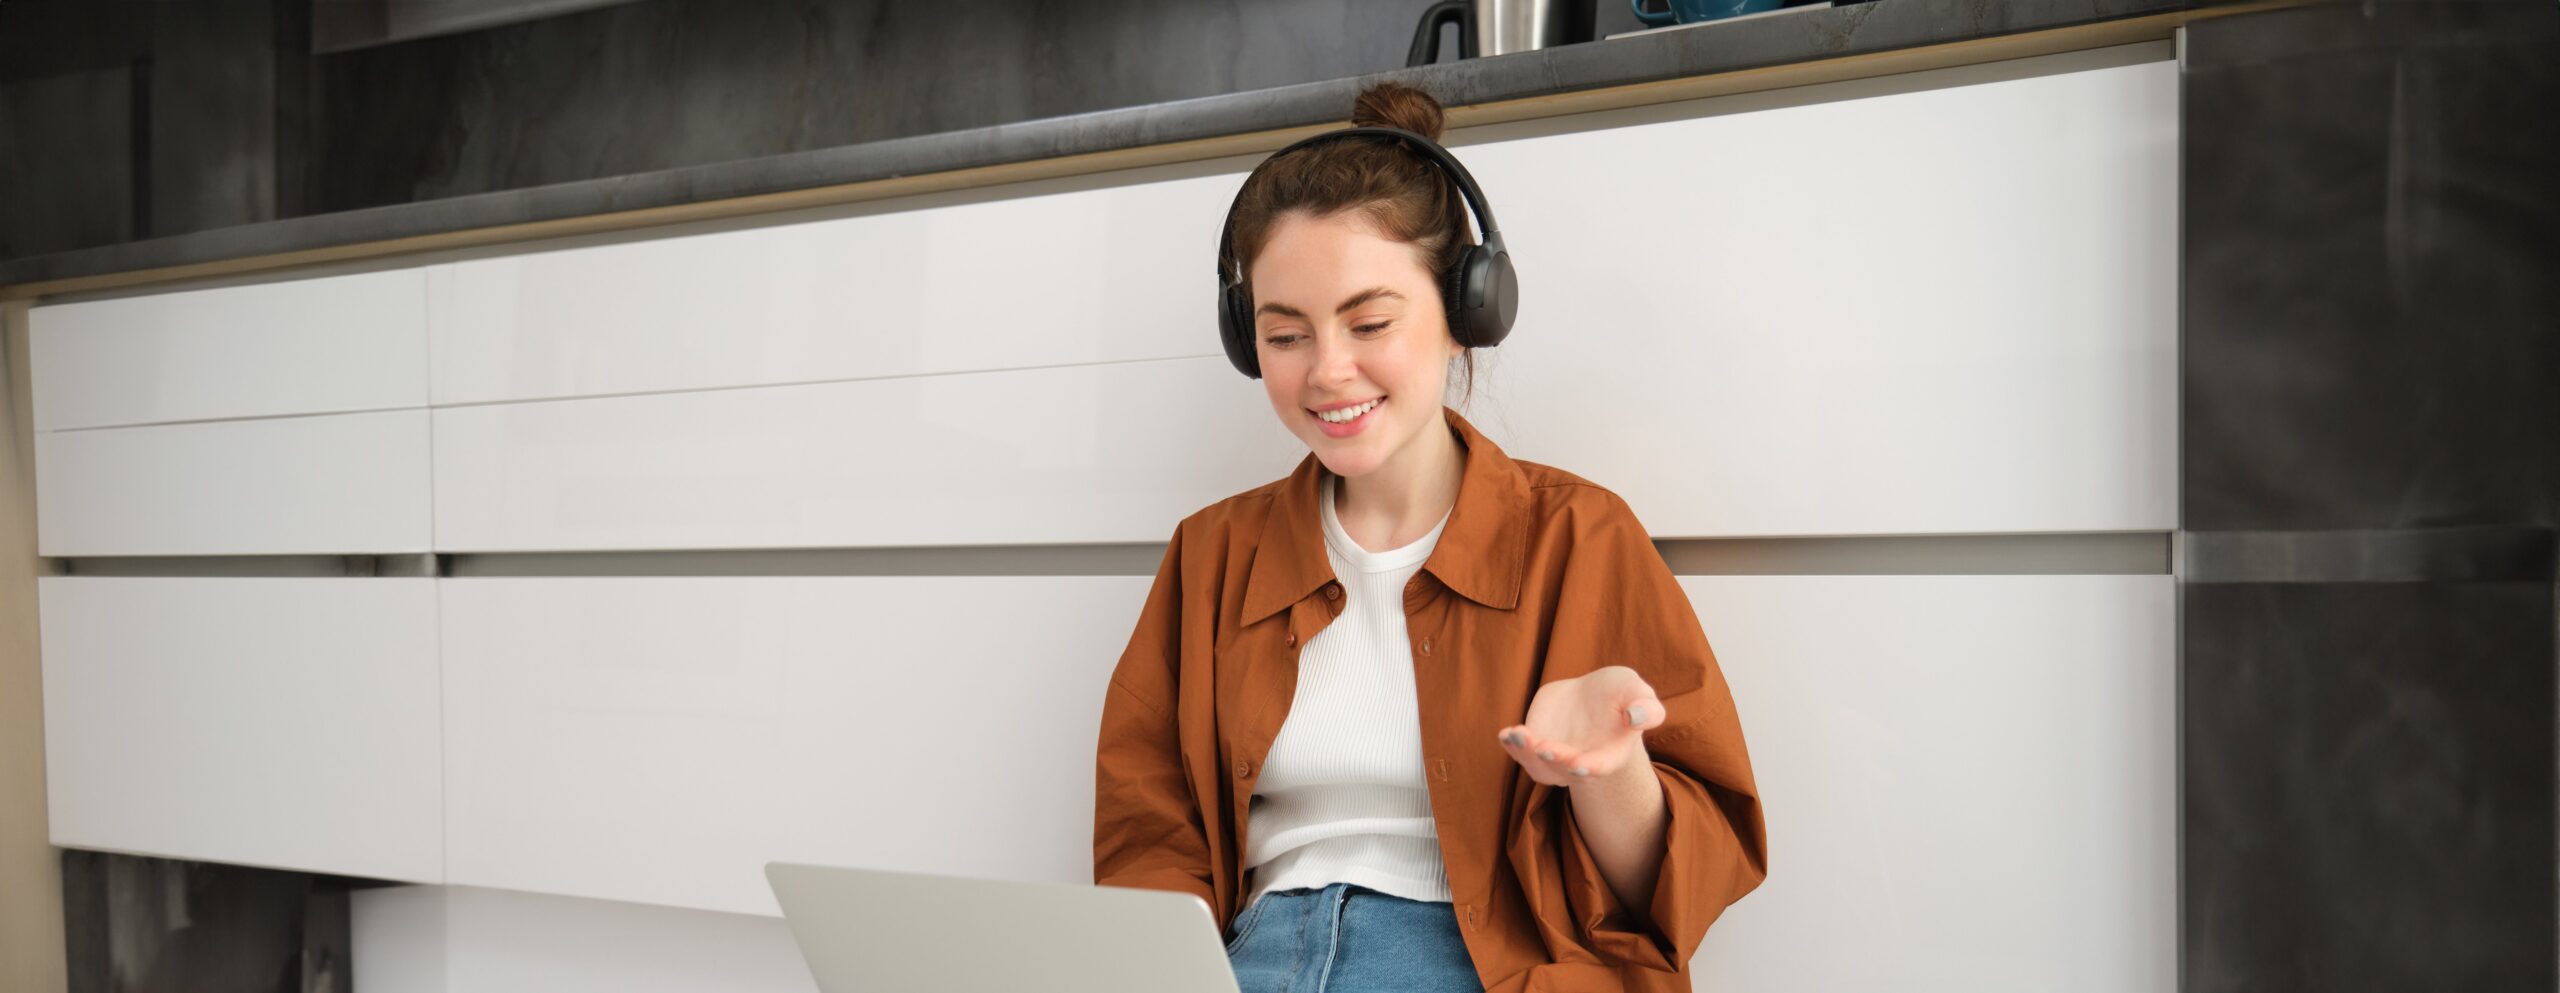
<point>1579,771</point>
<point>1547,755</point>
<point>1635,716</point>
<point>1512,739</point>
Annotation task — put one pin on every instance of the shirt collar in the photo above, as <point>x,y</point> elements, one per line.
<point>1483,553</point>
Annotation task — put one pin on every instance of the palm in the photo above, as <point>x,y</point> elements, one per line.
<point>1582,723</point>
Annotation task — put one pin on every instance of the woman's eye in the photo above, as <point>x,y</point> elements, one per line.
<point>1280,340</point>
<point>1380,326</point>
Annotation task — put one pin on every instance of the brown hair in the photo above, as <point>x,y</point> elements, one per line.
<point>1405,195</point>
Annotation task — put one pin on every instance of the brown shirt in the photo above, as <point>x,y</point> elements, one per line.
<point>1539,575</point>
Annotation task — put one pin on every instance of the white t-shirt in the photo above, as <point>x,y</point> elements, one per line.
<point>1341,798</point>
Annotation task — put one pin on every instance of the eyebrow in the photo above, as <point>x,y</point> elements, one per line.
<point>1364,296</point>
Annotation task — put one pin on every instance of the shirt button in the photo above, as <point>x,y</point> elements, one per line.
<point>1426,646</point>
<point>1243,769</point>
<point>1333,591</point>
<point>1293,639</point>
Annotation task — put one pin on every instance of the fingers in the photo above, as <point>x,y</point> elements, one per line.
<point>1547,761</point>
<point>1644,714</point>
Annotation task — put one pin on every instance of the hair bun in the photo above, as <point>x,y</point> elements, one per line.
<point>1395,105</point>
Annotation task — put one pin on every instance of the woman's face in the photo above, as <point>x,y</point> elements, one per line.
<point>1344,317</point>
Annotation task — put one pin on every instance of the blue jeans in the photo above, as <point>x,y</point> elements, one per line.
<point>1347,938</point>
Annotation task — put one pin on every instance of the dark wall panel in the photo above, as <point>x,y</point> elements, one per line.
<point>2368,780</point>
<point>2370,475</point>
<point>213,116</point>
<point>136,924</point>
<point>66,160</point>
<point>131,120</point>
<point>671,83</point>
<point>2373,220</point>
<point>121,121</point>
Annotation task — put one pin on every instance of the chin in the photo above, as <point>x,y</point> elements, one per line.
<point>1348,465</point>
<point>1351,461</point>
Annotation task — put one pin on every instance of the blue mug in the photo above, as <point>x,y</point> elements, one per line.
<point>1693,11</point>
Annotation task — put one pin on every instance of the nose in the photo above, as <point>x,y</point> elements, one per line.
<point>1334,362</point>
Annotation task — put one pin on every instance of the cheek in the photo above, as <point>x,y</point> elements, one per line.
<point>1420,369</point>
<point>1279,386</point>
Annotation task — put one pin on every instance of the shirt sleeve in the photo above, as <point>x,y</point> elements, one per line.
<point>1618,604</point>
<point>1147,828</point>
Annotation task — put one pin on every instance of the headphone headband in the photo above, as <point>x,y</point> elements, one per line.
<point>1480,289</point>
<point>1487,231</point>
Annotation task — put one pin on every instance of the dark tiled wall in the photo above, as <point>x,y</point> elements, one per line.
<point>121,121</point>
<point>145,925</point>
<point>669,83</point>
<point>2370,401</point>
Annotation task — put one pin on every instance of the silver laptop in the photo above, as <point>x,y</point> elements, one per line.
<point>871,931</point>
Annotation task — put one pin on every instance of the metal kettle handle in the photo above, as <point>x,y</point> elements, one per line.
<point>1426,36</point>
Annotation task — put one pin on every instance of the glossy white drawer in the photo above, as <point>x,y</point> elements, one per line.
<point>1107,453</point>
<point>335,343</point>
<point>1099,269</point>
<point>660,739</point>
<point>283,722</point>
<point>1952,310</point>
<point>1970,781</point>
<point>332,484</point>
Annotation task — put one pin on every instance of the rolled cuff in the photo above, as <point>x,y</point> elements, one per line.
<point>1705,868</point>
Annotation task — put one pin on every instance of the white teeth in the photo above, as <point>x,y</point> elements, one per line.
<point>1347,414</point>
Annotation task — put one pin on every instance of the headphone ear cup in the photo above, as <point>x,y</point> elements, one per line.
<point>1235,330</point>
<point>1453,291</point>
<point>1493,295</point>
<point>1482,297</point>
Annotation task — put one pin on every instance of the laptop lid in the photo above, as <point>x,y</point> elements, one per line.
<point>875,931</point>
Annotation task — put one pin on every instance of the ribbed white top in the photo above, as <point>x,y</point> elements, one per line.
<point>1341,798</point>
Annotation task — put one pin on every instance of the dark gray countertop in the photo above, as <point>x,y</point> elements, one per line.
<point>1876,26</point>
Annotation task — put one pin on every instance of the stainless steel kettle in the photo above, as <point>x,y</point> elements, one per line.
<point>1500,27</point>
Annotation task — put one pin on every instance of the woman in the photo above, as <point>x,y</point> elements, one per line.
<point>1418,717</point>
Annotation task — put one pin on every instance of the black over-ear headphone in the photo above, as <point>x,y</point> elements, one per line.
<point>1480,289</point>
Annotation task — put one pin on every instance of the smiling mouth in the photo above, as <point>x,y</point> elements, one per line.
<point>1346,415</point>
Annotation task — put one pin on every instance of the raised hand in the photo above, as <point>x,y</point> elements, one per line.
<point>1585,728</point>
